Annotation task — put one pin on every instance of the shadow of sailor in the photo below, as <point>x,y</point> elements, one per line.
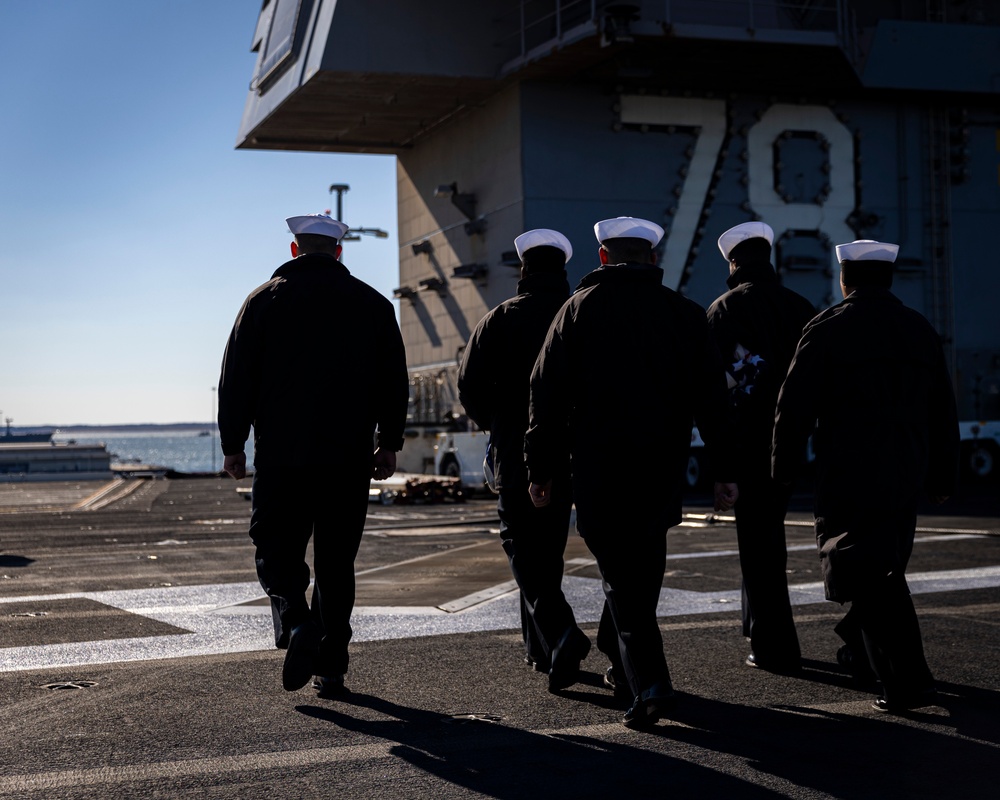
<point>849,750</point>
<point>478,752</point>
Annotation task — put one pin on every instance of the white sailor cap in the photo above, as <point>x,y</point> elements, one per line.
<point>542,237</point>
<point>742,232</point>
<point>628,228</point>
<point>866,250</point>
<point>317,225</point>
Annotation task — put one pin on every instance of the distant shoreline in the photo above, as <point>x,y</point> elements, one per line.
<point>133,428</point>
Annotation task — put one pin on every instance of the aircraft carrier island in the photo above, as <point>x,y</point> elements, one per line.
<point>830,120</point>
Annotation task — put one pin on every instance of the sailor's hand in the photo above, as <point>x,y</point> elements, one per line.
<point>541,495</point>
<point>726,495</point>
<point>235,465</point>
<point>383,464</point>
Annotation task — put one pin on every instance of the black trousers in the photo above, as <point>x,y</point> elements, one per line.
<point>760,533</point>
<point>892,639</point>
<point>631,557</point>
<point>883,610</point>
<point>534,540</point>
<point>329,506</point>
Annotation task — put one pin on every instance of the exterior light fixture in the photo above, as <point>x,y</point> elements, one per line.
<point>464,202</point>
<point>472,271</point>
<point>378,233</point>
<point>353,234</point>
<point>434,285</point>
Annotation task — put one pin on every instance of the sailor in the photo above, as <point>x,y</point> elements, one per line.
<point>756,326</point>
<point>627,353</point>
<point>871,372</point>
<point>493,387</point>
<point>315,364</point>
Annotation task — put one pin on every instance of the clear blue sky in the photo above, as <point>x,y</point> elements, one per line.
<point>131,229</point>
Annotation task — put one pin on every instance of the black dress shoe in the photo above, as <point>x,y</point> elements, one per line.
<point>777,667</point>
<point>537,664</point>
<point>332,686</point>
<point>571,650</point>
<point>614,680</point>
<point>927,697</point>
<point>649,706</point>
<point>302,656</point>
<point>610,679</point>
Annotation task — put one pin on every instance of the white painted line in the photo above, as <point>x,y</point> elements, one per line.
<point>111,780</point>
<point>117,776</point>
<point>437,554</point>
<point>812,547</point>
<point>709,520</point>
<point>206,611</point>
<point>481,596</point>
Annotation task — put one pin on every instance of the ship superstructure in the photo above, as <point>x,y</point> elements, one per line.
<point>830,120</point>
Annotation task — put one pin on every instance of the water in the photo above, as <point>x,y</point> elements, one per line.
<point>182,450</point>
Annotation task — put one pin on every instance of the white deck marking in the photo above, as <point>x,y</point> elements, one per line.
<point>217,622</point>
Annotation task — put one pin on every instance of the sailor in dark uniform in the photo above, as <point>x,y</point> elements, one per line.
<point>871,374</point>
<point>626,366</point>
<point>493,387</point>
<point>756,326</point>
<point>315,364</point>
